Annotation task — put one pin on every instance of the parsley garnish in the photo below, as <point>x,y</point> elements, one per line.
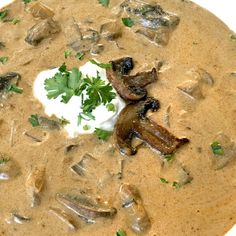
<point>216,148</point>
<point>86,127</point>
<point>164,181</point>
<point>4,160</point>
<point>15,21</point>
<point>3,14</point>
<point>3,60</point>
<point>121,232</point>
<point>34,120</point>
<point>67,54</point>
<point>111,107</point>
<point>169,157</point>
<point>15,89</point>
<point>80,56</point>
<point>102,134</point>
<point>176,184</point>
<point>98,93</point>
<point>27,1</point>
<point>102,65</point>
<point>128,22</point>
<point>64,121</point>
<point>104,3</point>
<point>85,116</point>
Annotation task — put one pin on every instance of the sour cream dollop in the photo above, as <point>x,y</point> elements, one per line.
<point>70,111</point>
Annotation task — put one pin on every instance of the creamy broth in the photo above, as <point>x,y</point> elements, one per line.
<point>206,205</point>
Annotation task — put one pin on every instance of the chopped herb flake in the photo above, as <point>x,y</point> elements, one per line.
<point>233,36</point>
<point>86,127</point>
<point>216,148</point>
<point>121,232</point>
<point>15,89</point>
<point>169,157</point>
<point>128,22</point>
<point>111,107</point>
<point>85,116</point>
<point>34,120</point>
<point>27,1</point>
<point>15,21</point>
<point>104,3</point>
<point>3,60</point>
<point>3,14</point>
<point>4,160</point>
<point>67,54</point>
<point>64,121</point>
<point>80,56</point>
<point>103,134</point>
<point>176,184</point>
<point>102,65</point>
<point>164,181</point>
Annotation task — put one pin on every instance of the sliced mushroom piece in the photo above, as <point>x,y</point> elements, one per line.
<point>137,217</point>
<point>96,49</point>
<point>174,171</point>
<point>18,219</point>
<point>8,79</point>
<point>132,122</point>
<point>42,30</point>
<point>83,168</point>
<point>191,88</point>
<point>70,148</point>
<point>64,217</point>
<point>151,20</point>
<point>111,30</point>
<point>9,169</point>
<point>46,123</point>
<point>34,184</point>
<point>129,87</point>
<point>229,152</point>
<point>86,207</point>
<point>40,10</point>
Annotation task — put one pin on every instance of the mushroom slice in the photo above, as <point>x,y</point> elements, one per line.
<point>8,79</point>
<point>18,219</point>
<point>111,30</point>
<point>85,207</point>
<point>228,151</point>
<point>151,20</point>
<point>129,87</point>
<point>42,30</point>
<point>34,184</point>
<point>40,10</point>
<point>9,169</point>
<point>137,216</point>
<point>64,217</point>
<point>132,122</point>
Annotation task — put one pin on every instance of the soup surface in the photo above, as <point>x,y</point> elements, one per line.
<point>190,191</point>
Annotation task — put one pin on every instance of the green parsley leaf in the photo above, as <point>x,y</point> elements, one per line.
<point>103,134</point>
<point>15,21</point>
<point>85,116</point>
<point>111,107</point>
<point>34,120</point>
<point>3,14</point>
<point>102,65</point>
<point>86,127</point>
<point>3,60</point>
<point>104,3</point>
<point>121,232</point>
<point>128,22</point>
<point>176,184</point>
<point>80,56</point>
<point>67,54</point>
<point>98,93</point>
<point>164,181</point>
<point>15,89</point>
<point>27,1</point>
<point>4,160</point>
<point>169,157</point>
<point>64,121</point>
<point>217,149</point>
